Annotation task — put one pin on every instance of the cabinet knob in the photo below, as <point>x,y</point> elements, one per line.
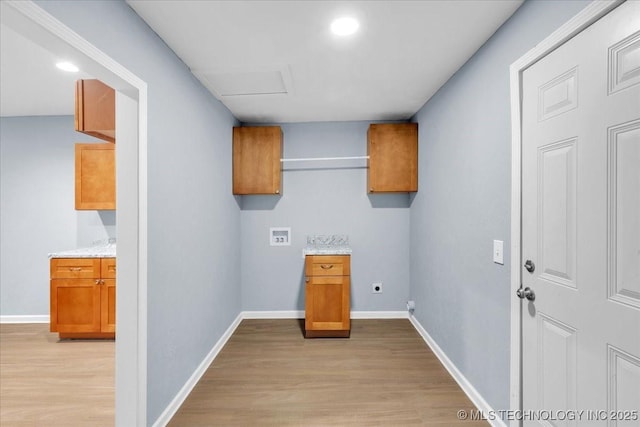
<point>97,281</point>
<point>277,191</point>
<point>75,268</point>
<point>326,266</point>
<point>306,279</point>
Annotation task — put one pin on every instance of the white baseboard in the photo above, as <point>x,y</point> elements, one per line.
<point>466,386</point>
<point>182,395</point>
<point>289,314</point>
<point>379,314</point>
<point>38,318</point>
<point>299,314</point>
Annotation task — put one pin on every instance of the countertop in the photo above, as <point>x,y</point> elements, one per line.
<point>102,249</point>
<point>333,244</point>
<point>327,250</point>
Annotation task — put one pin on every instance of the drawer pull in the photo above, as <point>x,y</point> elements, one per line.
<point>326,266</point>
<point>75,268</point>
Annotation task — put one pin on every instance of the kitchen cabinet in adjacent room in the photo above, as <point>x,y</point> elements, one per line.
<point>393,157</point>
<point>83,297</point>
<point>257,151</point>
<point>95,112</point>
<point>95,176</point>
<point>327,296</point>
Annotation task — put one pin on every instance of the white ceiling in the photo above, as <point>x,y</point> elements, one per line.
<point>276,61</point>
<point>30,84</point>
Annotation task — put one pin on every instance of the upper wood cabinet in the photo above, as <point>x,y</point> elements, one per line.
<point>393,157</point>
<point>96,109</point>
<point>256,160</point>
<point>95,176</point>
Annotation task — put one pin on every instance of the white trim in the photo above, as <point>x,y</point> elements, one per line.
<point>571,28</point>
<point>288,314</point>
<point>473,394</point>
<point>299,314</point>
<point>379,314</point>
<point>184,392</point>
<point>30,20</point>
<point>36,318</point>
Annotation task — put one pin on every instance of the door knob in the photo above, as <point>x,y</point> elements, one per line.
<point>526,293</point>
<point>530,266</point>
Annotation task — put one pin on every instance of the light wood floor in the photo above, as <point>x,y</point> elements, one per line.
<point>269,375</point>
<point>266,375</point>
<point>44,382</point>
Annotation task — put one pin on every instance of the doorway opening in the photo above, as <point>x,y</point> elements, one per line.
<point>35,24</point>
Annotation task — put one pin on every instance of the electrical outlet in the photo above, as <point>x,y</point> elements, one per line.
<point>376,288</point>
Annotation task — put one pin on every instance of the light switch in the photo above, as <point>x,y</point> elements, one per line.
<point>498,252</point>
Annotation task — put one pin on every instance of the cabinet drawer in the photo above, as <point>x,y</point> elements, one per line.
<point>108,268</point>
<point>75,268</point>
<point>327,265</point>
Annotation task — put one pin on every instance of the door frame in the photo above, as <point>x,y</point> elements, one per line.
<point>34,23</point>
<point>591,13</point>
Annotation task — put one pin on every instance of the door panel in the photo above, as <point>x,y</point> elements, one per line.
<point>624,63</point>
<point>557,219</point>
<point>624,213</point>
<point>556,363</point>
<point>624,382</point>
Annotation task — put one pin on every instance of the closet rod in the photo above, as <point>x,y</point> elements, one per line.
<point>324,158</point>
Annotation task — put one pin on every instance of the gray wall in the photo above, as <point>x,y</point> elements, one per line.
<point>462,297</point>
<point>193,219</point>
<point>325,198</point>
<point>38,213</point>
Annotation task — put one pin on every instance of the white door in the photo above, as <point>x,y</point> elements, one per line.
<point>581,228</point>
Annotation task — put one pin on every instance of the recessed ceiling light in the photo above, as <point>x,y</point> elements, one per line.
<point>67,66</point>
<point>344,26</point>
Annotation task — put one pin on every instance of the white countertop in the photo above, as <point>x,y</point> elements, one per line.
<point>100,250</point>
<point>327,250</point>
<point>331,244</point>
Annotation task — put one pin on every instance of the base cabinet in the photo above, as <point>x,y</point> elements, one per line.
<point>83,297</point>
<point>327,296</point>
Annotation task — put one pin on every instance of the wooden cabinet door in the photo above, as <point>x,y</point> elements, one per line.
<point>108,268</point>
<point>95,176</point>
<point>327,304</point>
<point>75,305</point>
<point>393,157</point>
<point>108,305</point>
<point>256,160</point>
<point>95,112</point>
